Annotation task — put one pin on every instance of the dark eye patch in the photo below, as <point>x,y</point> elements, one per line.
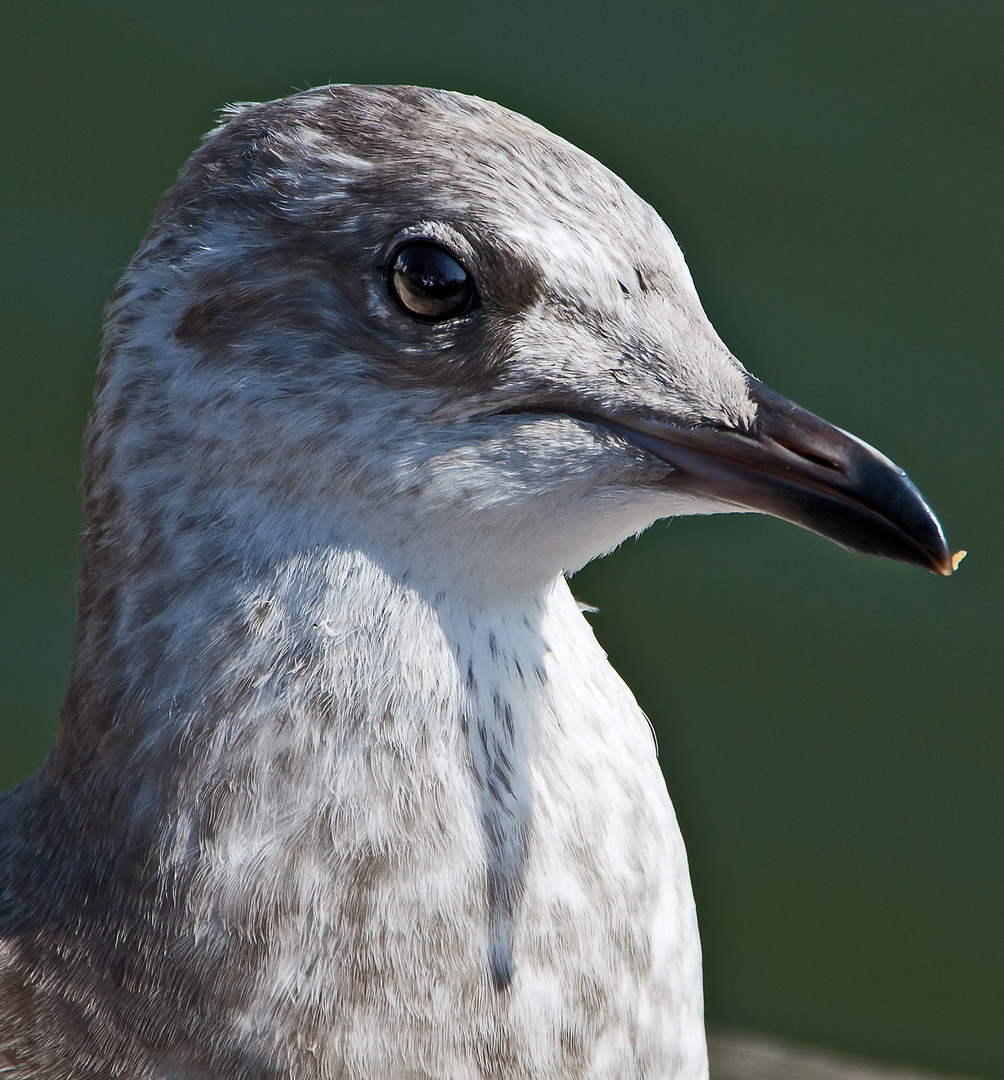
<point>429,283</point>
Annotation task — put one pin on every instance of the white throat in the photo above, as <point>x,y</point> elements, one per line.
<point>463,799</point>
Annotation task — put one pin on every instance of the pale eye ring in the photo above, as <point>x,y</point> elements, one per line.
<point>429,283</point>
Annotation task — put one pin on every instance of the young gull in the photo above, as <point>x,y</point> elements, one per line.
<point>344,786</point>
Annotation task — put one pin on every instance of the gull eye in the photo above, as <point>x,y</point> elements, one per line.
<point>429,283</point>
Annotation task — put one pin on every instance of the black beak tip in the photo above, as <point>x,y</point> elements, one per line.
<point>908,527</point>
<point>845,489</point>
<point>940,559</point>
<point>943,561</point>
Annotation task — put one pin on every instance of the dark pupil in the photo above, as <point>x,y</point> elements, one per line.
<point>429,282</point>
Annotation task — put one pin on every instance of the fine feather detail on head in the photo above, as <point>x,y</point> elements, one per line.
<point>255,330</point>
<point>343,783</point>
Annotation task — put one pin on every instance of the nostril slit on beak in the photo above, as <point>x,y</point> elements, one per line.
<point>807,455</point>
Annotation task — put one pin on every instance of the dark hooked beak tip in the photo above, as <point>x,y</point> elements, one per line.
<point>795,466</point>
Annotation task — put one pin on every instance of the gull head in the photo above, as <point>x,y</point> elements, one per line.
<point>416,322</point>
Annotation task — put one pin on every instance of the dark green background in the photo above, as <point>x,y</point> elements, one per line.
<point>830,724</point>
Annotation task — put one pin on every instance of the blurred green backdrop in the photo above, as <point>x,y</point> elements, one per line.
<point>830,725</point>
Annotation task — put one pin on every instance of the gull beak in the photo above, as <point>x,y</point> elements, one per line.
<point>797,467</point>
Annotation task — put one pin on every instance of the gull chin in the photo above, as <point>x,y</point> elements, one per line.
<point>344,786</point>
